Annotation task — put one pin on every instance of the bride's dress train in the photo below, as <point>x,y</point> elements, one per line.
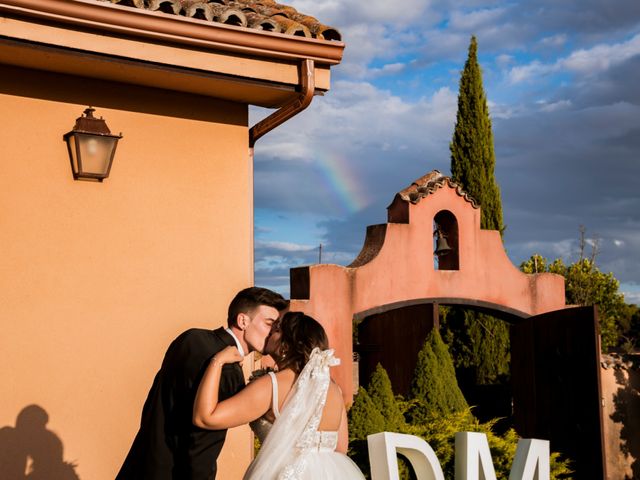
<point>292,447</point>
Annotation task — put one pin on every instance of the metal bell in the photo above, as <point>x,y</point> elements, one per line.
<point>442,247</point>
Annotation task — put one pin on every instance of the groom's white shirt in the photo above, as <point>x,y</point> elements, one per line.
<point>240,349</point>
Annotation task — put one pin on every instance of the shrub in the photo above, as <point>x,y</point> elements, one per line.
<point>434,389</point>
<point>381,395</point>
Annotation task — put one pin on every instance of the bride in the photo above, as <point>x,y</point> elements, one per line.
<point>298,412</point>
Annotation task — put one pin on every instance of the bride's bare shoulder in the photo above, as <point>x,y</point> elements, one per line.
<point>286,378</point>
<point>285,374</point>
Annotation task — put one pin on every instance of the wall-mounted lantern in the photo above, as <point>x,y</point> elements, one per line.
<point>91,147</point>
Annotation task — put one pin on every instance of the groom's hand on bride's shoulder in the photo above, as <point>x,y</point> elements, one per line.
<point>229,355</point>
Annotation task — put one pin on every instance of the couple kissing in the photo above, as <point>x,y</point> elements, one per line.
<point>297,412</point>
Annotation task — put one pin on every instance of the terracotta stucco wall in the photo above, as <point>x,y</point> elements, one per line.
<point>620,404</point>
<point>402,270</point>
<point>97,279</point>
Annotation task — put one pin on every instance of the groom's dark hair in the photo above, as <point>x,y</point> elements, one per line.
<point>299,335</point>
<point>251,298</point>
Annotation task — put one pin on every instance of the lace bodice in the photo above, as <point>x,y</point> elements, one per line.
<point>321,440</point>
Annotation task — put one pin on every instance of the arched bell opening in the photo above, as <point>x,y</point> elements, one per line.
<point>446,241</point>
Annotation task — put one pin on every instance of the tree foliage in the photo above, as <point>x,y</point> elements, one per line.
<point>364,417</point>
<point>585,285</point>
<point>479,342</point>
<point>439,432</point>
<point>381,394</point>
<point>434,388</point>
<point>629,333</point>
<point>436,428</point>
<point>472,154</point>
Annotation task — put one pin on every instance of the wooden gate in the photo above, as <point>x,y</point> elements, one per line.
<point>393,338</point>
<point>555,376</point>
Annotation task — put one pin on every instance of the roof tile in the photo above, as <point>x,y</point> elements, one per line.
<point>428,184</point>
<point>266,15</point>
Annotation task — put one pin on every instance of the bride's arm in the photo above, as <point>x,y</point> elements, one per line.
<point>247,405</point>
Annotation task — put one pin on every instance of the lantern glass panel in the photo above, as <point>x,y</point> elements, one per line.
<point>73,152</point>
<point>95,153</point>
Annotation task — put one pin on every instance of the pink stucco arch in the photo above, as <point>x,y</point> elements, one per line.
<point>396,267</point>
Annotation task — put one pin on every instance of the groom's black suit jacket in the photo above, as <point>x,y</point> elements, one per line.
<point>168,446</point>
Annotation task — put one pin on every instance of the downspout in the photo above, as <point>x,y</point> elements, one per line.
<point>290,109</point>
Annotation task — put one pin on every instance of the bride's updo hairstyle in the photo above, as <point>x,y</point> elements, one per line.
<point>299,335</point>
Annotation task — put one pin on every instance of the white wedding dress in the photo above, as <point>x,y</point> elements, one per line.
<point>292,447</point>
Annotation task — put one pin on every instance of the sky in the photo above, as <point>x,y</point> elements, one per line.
<point>562,80</point>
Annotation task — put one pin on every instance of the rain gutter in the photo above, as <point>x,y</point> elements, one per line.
<point>175,29</point>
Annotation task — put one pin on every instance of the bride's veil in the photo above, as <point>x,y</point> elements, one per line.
<point>294,430</point>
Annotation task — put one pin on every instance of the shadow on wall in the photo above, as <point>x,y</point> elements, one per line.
<point>31,451</point>
<point>627,406</point>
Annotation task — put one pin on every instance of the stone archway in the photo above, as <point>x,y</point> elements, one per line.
<point>395,268</point>
<point>396,265</point>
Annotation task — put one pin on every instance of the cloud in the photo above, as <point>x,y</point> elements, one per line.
<point>389,68</point>
<point>553,106</point>
<point>586,62</point>
<point>528,72</point>
<point>476,19</point>
<point>553,41</point>
<point>274,259</point>
<point>631,293</point>
<point>601,57</point>
<point>561,79</point>
<point>346,12</point>
<point>348,145</point>
<point>503,60</point>
<point>586,18</point>
<point>377,29</point>
<point>562,172</point>
<point>283,246</point>
<point>565,248</point>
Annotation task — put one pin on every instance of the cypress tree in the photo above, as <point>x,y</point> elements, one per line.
<point>472,156</point>
<point>483,345</point>
<point>364,417</point>
<point>434,386</point>
<point>381,394</point>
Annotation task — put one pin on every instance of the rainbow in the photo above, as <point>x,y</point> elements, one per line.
<point>342,181</point>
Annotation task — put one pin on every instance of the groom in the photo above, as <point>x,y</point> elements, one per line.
<point>168,446</point>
